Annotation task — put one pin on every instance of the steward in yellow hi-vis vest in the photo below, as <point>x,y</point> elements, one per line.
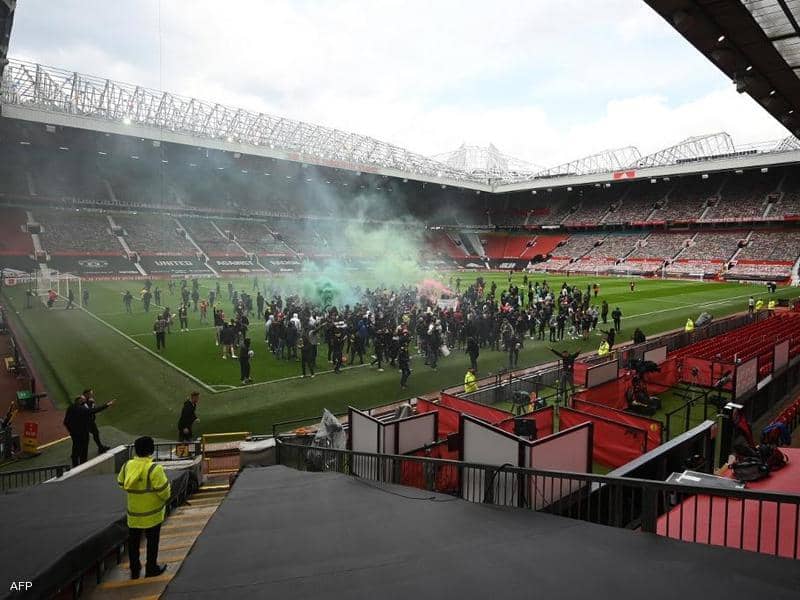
<point>470,382</point>
<point>148,490</point>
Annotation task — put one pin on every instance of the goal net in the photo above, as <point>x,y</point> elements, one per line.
<point>62,284</point>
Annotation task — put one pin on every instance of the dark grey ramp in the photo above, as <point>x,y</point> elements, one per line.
<point>285,533</point>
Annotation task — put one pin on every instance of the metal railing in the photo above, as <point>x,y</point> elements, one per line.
<point>166,451</point>
<point>500,388</point>
<point>12,480</point>
<point>745,519</point>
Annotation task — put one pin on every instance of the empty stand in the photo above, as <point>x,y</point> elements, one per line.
<point>639,203</point>
<point>660,246</point>
<point>615,246</point>
<point>206,235</point>
<point>75,233</point>
<point>744,197</point>
<point>714,246</point>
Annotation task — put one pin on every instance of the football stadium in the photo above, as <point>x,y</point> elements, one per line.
<point>290,355</point>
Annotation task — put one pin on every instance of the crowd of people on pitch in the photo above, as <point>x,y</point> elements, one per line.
<point>384,323</point>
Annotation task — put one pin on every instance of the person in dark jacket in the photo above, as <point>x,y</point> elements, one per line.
<point>638,337</point>
<point>77,420</point>
<point>188,417</point>
<point>611,337</point>
<point>473,351</point>
<point>404,362</point>
<point>567,370</point>
<point>617,316</point>
<point>91,402</point>
<point>245,354</point>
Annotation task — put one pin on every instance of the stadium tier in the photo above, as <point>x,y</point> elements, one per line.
<point>639,204</point>
<point>660,245</point>
<point>153,235</point>
<point>713,246</point>
<point>70,232</point>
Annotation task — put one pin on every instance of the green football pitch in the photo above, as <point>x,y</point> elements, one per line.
<point>114,352</point>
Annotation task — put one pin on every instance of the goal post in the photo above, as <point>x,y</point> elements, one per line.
<point>61,284</point>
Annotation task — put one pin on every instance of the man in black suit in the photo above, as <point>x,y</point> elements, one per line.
<point>78,420</point>
<point>188,418</point>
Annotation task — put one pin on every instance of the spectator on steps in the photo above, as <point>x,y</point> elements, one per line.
<point>148,491</point>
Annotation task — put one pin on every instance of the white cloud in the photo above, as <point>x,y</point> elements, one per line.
<point>529,76</point>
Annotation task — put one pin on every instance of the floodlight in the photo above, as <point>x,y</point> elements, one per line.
<point>126,120</point>
<point>721,39</point>
<point>704,176</point>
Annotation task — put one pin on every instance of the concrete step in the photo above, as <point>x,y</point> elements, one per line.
<point>193,511</point>
<point>126,589</point>
<point>203,502</point>
<point>169,557</point>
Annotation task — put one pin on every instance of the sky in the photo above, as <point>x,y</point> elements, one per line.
<point>546,81</point>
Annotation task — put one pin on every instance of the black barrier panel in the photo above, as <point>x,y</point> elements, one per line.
<point>238,264</point>
<point>176,265</point>
<point>93,265</point>
<point>507,264</point>
<point>18,263</point>
<point>282,264</point>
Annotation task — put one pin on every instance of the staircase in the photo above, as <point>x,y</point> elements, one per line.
<point>178,533</point>
<point>739,250</point>
<point>691,242</point>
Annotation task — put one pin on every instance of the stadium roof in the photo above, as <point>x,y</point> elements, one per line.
<point>488,163</point>
<point>48,95</point>
<point>754,42</point>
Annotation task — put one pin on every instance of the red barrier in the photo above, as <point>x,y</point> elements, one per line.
<point>608,394</point>
<point>665,378</point>
<point>652,426</point>
<point>614,443</point>
<point>481,411</point>
<point>579,373</point>
<point>418,475</point>
<point>542,417</point>
<point>448,418</point>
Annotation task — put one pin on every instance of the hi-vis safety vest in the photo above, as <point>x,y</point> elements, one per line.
<point>771,305</point>
<point>148,490</point>
<point>689,325</point>
<point>604,349</point>
<point>470,383</point>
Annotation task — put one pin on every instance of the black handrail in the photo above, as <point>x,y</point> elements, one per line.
<point>11,480</point>
<point>651,506</point>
